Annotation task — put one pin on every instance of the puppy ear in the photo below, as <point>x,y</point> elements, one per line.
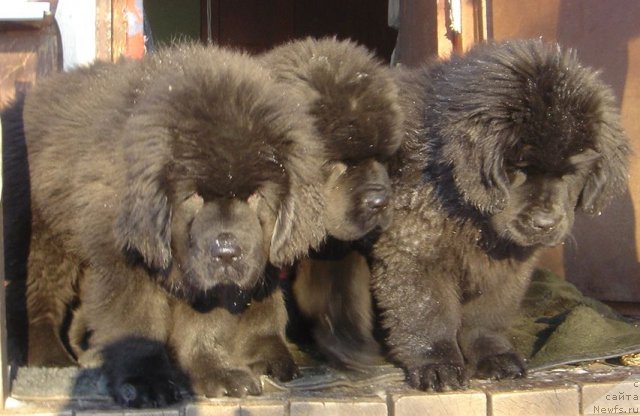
<point>299,225</point>
<point>477,169</point>
<point>609,176</point>
<point>282,230</point>
<point>143,223</point>
<point>267,206</point>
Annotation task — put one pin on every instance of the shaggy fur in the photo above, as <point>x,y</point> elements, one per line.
<point>502,145</point>
<point>158,191</point>
<point>353,101</point>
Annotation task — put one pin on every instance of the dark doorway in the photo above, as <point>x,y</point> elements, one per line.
<point>257,25</point>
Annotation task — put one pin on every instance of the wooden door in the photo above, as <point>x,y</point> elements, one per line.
<point>257,25</point>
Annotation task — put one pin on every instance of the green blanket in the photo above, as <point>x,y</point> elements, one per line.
<point>558,325</point>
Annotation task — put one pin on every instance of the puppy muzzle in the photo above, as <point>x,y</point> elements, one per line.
<point>374,207</point>
<point>225,249</point>
<point>544,227</point>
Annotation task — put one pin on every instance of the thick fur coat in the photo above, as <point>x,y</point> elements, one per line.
<point>353,102</point>
<point>160,189</point>
<point>501,146</point>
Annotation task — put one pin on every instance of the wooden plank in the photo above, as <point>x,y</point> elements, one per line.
<point>27,55</point>
<point>118,29</point>
<point>4,362</point>
<point>418,33</point>
<point>103,30</point>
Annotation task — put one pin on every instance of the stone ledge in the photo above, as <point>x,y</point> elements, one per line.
<point>563,401</point>
<point>355,407</point>
<point>563,392</point>
<point>439,404</point>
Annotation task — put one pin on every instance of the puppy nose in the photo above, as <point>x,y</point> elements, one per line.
<point>376,199</point>
<point>545,220</point>
<point>225,247</point>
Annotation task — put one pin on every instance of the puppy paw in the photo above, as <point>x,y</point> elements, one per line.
<point>501,366</point>
<point>232,382</point>
<point>281,368</point>
<point>145,392</point>
<point>90,358</point>
<point>271,356</point>
<point>437,377</point>
<point>139,374</point>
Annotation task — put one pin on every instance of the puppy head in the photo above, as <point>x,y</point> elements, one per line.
<point>223,241</point>
<point>359,196</point>
<point>354,105</point>
<point>213,155</point>
<point>542,201</point>
<point>530,135</point>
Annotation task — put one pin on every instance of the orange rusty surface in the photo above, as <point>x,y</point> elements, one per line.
<point>26,56</point>
<point>134,47</point>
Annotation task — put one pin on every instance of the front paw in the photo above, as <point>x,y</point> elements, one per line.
<point>272,357</point>
<point>154,390</point>
<point>282,368</point>
<point>230,382</point>
<point>139,374</point>
<point>437,377</point>
<point>501,366</point>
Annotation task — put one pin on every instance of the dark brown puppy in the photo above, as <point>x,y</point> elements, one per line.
<point>353,102</point>
<point>157,195</point>
<point>502,145</point>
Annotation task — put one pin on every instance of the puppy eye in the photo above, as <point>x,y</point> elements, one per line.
<point>521,164</point>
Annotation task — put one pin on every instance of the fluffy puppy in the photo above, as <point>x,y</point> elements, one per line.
<point>157,190</point>
<point>502,145</point>
<point>353,102</point>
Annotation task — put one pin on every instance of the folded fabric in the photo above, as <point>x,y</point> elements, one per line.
<point>559,325</point>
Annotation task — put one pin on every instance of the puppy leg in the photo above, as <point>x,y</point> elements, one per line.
<point>270,355</point>
<point>128,315</point>
<point>80,340</point>
<point>266,349</point>
<point>488,352</point>
<point>223,353</point>
<point>51,279</point>
<point>336,296</point>
<point>421,313</point>
<point>78,334</point>
<point>204,345</point>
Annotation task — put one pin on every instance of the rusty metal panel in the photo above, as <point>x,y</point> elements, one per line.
<point>26,56</point>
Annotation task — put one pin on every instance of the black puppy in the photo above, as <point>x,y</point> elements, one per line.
<point>157,195</point>
<point>353,103</point>
<point>501,146</point>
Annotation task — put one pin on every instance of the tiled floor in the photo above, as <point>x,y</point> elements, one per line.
<point>588,390</point>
